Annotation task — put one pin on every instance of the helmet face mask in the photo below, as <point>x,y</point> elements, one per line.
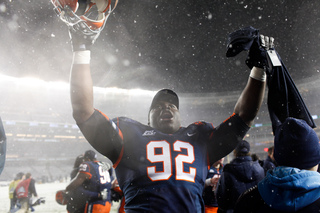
<point>88,16</point>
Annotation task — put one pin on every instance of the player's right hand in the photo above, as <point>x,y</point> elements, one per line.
<point>81,37</point>
<point>85,19</point>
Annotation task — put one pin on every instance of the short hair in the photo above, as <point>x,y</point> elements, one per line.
<point>255,157</point>
<point>19,176</point>
<point>270,150</point>
<point>28,175</point>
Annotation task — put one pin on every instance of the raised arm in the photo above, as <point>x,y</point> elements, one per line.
<point>81,88</point>
<point>84,29</point>
<point>251,97</point>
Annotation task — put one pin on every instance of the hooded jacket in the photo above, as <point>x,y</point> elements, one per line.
<point>284,189</point>
<point>290,189</point>
<point>239,175</point>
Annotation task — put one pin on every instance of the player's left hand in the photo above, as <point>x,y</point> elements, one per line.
<point>104,194</point>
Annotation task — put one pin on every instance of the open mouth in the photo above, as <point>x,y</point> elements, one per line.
<point>166,116</point>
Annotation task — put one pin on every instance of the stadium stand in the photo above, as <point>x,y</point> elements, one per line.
<point>43,139</point>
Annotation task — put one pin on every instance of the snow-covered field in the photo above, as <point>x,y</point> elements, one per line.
<point>48,191</point>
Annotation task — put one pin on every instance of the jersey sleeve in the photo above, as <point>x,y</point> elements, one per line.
<point>226,137</point>
<point>103,134</point>
<point>85,169</point>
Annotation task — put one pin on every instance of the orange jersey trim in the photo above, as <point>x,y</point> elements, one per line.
<point>119,131</point>
<point>233,114</point>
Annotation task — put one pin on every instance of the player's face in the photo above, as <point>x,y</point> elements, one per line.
<point>165,117</point>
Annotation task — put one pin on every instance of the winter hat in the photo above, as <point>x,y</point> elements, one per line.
<point>243,147</point>
<point>296,144</point>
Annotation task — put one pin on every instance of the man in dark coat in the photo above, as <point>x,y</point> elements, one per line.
<point>239,175</point>
<point>269,163</point>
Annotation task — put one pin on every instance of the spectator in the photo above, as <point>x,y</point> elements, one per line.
<point>255,157</point>
<point>12,188</point>
<point>269,162</point>
<point>293,186</point>
<point>209,197</point>
<point>239,175</point>
<point>24,192</point>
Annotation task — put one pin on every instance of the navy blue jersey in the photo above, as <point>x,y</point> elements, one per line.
<point>99,182</point>
<point>100,177</point>
<point>160,172</point>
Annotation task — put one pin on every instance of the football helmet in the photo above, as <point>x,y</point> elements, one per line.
<point>90,14</point>
<point>61,197</point>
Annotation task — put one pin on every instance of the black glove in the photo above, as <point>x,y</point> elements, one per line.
<point>257,55</point>
<point>115,196</point>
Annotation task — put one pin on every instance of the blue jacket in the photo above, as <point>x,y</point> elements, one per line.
<point>239,175</point>
<point>290,189</point>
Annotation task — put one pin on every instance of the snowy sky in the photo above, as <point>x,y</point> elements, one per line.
<point>156,44</point>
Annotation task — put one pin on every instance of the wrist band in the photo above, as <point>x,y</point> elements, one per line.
<point>258,74</point>
<point>208,181</point>
<point>82,57</point>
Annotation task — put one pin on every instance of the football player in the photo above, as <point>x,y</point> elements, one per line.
<point>161,166</point>
<point>90,190</point>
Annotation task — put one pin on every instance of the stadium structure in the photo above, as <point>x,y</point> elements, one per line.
<point>42,137</point>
